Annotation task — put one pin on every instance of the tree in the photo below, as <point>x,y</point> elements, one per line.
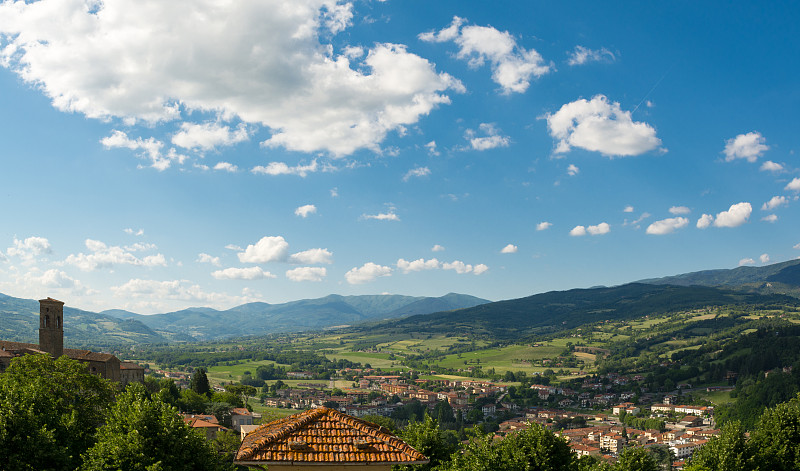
<point>729,450</point>
<point>534,448</point>
<point>49,411</point>
<point>144,434</point>
<point>635,459</point>
<point>199,382</point>
<point>776,439</point>
<point>242,390</point>
<point>428,439</point>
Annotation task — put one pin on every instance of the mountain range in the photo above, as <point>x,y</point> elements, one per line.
<point>458,313</point>
<point>19,318</point>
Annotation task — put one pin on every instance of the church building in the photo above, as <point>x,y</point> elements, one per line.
<point>51,340</point>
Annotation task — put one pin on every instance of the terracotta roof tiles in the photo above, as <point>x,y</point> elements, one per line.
<point>325,436</point>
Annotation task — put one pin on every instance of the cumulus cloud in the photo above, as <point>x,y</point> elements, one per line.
<point>437,248</point>
<point>416,172</point>
<point>208,136</point>
<point>748,146</point>
<point>28,249</point>
<point>281,168</point>
<point>480,269</point>
<point>367,273</point>
<point>572,170</point>
<point>105,256</point>
<point>206,258</point>
<point>679,210</point>
<point>260,63</point>
<point>543,226</point>
<point>312,257</point>
<point>746,261</point>
<point>388,216</point>
<point>305,210</point>
<point>226,166</point>
<point>463,268</point>
<point>267,249</point>
<point>148,149</point>
<point>418,265</point>
<point>130,231</point>
<point>775,202</point>
<point>491,140</point>
<point>600,126</point>
<point>600,229</point>
<point>793,185</point>
<point>628,209</point>
<point>431,146</point>
<point>764,258</point>
<point>180,290</point>
<point>770,166</point>
<point>705,221</point>
<point>249,273</point>
<point>510,248</point>
<point>667,226</point>
<point>578,231</point>
<point>307,274</point>
<point>770,218</point>
<point>582,55</point>
<point>735,216</point>
<point>513,66</point>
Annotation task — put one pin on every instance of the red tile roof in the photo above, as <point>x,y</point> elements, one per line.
<point>324,436</point>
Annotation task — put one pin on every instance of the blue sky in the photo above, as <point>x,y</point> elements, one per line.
<point>160,155</point>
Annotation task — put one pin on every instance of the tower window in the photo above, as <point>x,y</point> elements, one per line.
<point>47,321</point>
<point>58,322</point>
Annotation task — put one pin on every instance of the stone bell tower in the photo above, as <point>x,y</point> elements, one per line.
<point>51,326</point>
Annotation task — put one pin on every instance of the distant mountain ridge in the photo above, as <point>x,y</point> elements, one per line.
<point>19,318</point>
<point>778,278</point>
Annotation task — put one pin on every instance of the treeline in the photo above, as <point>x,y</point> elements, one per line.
<point>297,359</point>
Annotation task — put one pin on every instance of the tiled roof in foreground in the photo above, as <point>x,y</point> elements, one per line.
<point>324,436</point>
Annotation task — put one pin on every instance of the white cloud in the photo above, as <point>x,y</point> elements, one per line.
<point>572,170</point>
<point>367,273</point>
<point>748,146</point>
<point>312,257</point>
<point>796,246</point>
<point>770,166</point>
<point>458,266</point>
<point>793,185</point>
<point>389,216</point>
<point>268,249</point>
<point>600,126</point>
<point>206,258</point>
<point>105,256</point>
<point>746,261</point>
<point>735,216</point>
<point>512,65</point>
<point>226,166</point>
<point>543,226</point>
<point>307,274</point>
<point>418,265</point>
<point>492,139</point>
<point>764,258</point>
<point>130,231</point>
<point>431,146</point>
<point>249,273</point>
<point>578,231</point>
<point>581,55</point>
<point>600,229</point>
<point>437,248</point>
<point>510,248</point>
<point>480,269</point>
<point>667,226</point>
<point>334,192</point>
<point>770,218</point>
<point>705,221</point>
<point>176,290</point>
<point>281,168</point>
<point>29,248</point>
<point>208,136</point>
<point>774,202</point>
<point>234,247</point>
<point>305,210</point>
<point>262,63</point>
<point>416,172</point>
<point>628,209</point>
<point>150,149</point>
<point>679,210</point>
